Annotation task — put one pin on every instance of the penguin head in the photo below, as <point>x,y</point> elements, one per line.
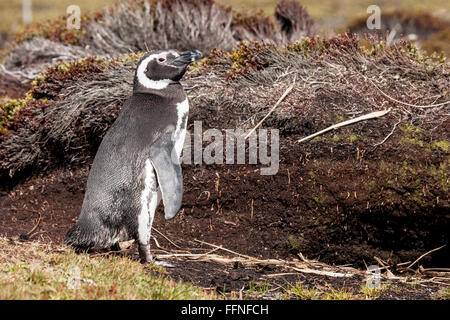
<point>157,69</point>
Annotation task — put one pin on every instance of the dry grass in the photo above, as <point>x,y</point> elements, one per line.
<point>329,13</point>
<point>37,271</point>
<point>11,11</point>
<point>299,291</point>
<point>337,74</point>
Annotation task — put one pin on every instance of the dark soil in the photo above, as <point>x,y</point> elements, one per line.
<point>57,198</point>
<point>48,205</point>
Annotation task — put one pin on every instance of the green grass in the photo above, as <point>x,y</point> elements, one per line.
<point>258,288</point>
<point>300,292</point>
<point>338,294</point>
<point>373,293</point>
<point>37,271</point>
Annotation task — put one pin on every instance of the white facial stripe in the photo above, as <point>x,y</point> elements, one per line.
<point>145,81</point>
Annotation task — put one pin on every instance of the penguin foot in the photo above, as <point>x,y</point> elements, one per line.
<point>144,253</point>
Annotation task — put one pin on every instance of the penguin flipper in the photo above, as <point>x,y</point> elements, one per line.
<point>168,171</point>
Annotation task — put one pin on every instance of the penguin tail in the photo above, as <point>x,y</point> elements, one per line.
<point>84,237</point>
<point>76,238</point>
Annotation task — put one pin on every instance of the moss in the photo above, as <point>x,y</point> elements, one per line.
<point>244,58</point>
<point>296,242</point>
<point>7,111</point>
<point>402,179</point>
<point>412,135</point>
<point>320,199</point>
<point>309,45</point>
<point>312,175</point>
<point>442,144</point>
<point>47,85</point>
<point>353,138</point>
<point>440,174</point>
<point>55,30</point>
<point>335,138</point>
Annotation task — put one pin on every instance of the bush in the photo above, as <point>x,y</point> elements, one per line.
<point>132,26</point>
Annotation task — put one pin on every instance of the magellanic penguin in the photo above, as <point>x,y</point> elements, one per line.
<point>138,161</point>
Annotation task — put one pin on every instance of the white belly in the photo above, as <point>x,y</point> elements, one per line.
<point>150,197</point>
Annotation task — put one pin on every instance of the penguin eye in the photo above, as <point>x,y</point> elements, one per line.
<point>161,59</point>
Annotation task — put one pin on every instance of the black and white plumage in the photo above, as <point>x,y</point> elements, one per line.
<point>137,162</point>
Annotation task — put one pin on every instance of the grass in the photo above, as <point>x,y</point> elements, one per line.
<point>373,293</point>
<point>338,294</point>
<point>37,271</point>
<point>443,294</point>
<point>258,288</point>
<point>11,11</point>
<point>300,292</point>
<point>329,13</point>
<point>332,14</point>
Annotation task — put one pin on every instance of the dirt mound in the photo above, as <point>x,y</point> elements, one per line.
<point>177,24</point>
<point>428,32</point>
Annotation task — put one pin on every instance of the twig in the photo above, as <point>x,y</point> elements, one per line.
<point>28,234</point>
<point>390,275</point>
<point>170,241</point>
<point>274,275</point>
<point>209,252</point>
<point>302,257</point>
<point>426,253</point>
<point>273,108</point>
<point>405,103</point>
<point>323,272</point>
<point>224,249</point>
<point>368,116</point>
<point>390,133</point>
<point>436,269</point>
<point>251,261</point>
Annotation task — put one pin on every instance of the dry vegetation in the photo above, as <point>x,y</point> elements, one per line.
<point>70,100</point>
<point>428,32</point>
<point>34,270</point>
<point>173,23</point>
<point>38,271</point>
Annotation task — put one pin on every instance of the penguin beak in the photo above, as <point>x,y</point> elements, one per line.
<point>187,57</point>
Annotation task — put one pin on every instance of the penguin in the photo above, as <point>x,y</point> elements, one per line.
<point>138,161</point>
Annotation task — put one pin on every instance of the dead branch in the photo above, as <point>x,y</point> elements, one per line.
<point>390,133</point>
<point>288,90</point>
<point>165,237</point>
<point>425,254</point>
<point>405,103</point>
<point>222,248</point>
<point>371,115</point>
